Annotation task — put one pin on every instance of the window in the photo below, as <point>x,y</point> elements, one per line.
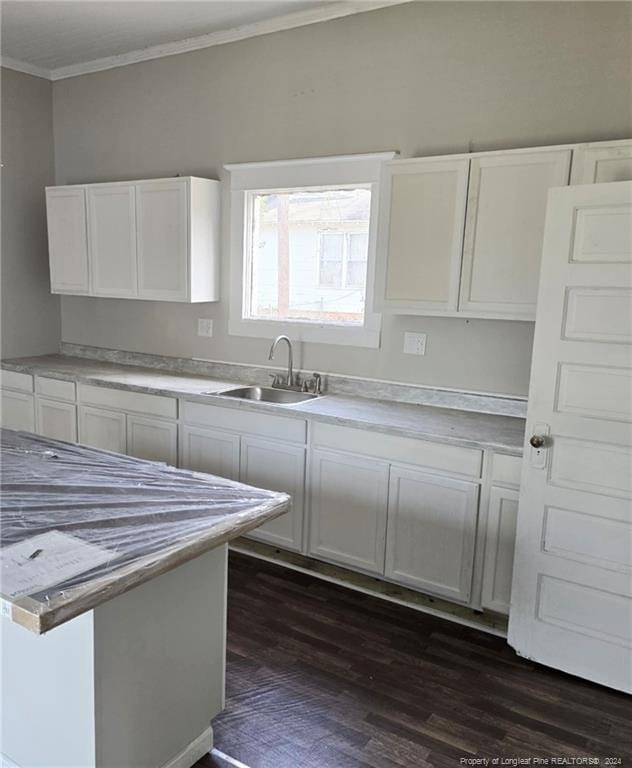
<point>303,249</point>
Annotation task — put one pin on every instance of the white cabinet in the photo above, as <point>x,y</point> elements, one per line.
<point>102,429</point>
<point>17,410</point>
<point>112,239</point>
<point>276,466</point>
<point>214,451</point>
<point>426,212</point>
<point>56,419</point>
<point>431,532</point>
<point>152,439</point>
<point>602,162</point>
<point>156,239</point>
<point>504,230</point>
<point>67,239</point>
<point>499,548</point>
<point>348,501</point>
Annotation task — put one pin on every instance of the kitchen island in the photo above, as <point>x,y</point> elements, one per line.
<point>114,604</point>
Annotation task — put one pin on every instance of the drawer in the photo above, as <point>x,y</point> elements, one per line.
<point>447,458</point>
<point>16,380</point>
<point>245,421</point>
<point>506,469</point>
<point>58,389</point>
<point>122,400</point>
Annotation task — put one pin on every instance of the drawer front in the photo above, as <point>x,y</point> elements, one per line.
<point>139,402</point>
<point>506,469</point>
<point>16,380</point>
<point>447,458</point>
<point>55,388</point>
<point>245,421</point>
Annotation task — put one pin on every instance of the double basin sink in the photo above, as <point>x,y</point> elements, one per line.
<point>267,395</point>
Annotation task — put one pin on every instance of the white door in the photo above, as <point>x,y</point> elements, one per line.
<point>67,239</point>
<point>276,466</point>
<point>504,229</point>
<point>426,211</point>
<point>602,163</point>
<point>112,239</point>
<point>56,419</point>
<point>500,540</point>
<point>210,450</point>
<point>431,532</point>
<point>17,410</point>
<point>348,499</point>
<point>571,599</point>
<point>162,238</point>
<point>152,439</point>
<point>102,429</point>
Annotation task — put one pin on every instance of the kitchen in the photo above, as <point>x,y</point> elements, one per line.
<point>371,183</point>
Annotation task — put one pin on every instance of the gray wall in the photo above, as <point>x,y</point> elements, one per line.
<point>423,78</point>
<point>30,314</point>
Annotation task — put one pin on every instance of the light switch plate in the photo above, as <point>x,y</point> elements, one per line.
<point>414,343</point>
<point>205,326</point>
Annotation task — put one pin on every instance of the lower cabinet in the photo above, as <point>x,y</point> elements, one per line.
<point>210,450</point>
<point>17,410</point>
<point>276,466</point>
<point>152,439</point>
<point>431,532</point>
<point>102,429</point>
<point>348,505</point>
<point>499,548</point>
<point>56,419</point>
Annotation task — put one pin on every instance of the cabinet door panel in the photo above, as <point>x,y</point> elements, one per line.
<point>431,532</point>
<point>112,239</point>
<point>17,410</point>
<point>102,429</point>
<point>56,419</point>
<point>152,439</point>
<point>210,450</point>
<point>425,233</point>
<point>348,499</point>
<point>276,467</point>
<point>602,164</point>
<point>499,548</point>
<point>504,230</point>
<point>67,240</point>
<point>162,237</point>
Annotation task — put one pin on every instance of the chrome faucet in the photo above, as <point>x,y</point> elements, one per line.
<point>290,371</point>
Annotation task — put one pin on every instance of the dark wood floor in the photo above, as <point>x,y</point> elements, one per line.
<point>323,677</point>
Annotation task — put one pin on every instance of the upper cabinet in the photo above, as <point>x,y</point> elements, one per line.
<point>462,235</point>
<point>155,239</point>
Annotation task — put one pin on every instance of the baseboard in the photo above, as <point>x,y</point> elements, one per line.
<point>193,752</point>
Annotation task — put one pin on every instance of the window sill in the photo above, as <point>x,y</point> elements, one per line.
<point>352,336</point>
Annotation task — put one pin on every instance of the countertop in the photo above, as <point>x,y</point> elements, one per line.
<point>81,525</point>
<point>447,425</point>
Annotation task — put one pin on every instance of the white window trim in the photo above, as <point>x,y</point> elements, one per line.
<point>295,174</point>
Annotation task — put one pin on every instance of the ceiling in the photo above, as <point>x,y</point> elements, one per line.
<point>63,38</point>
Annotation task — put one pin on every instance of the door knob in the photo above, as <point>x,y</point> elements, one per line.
<point>537,441</point>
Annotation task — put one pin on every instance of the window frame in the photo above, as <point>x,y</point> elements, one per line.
<point>247,179</point>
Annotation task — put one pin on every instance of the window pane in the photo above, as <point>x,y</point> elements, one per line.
<point>307,255</point>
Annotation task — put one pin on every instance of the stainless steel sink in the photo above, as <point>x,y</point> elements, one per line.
<point>268,395</point>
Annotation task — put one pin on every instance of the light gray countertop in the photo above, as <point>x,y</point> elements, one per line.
<point>448,425</point>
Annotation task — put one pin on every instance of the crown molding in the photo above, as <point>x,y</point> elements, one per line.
<point>23,66</point>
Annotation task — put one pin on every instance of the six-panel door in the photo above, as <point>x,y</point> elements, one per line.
<point>348,500</point>
<point>431,532</point>
<point>67,240</point>
<point>210,450</point>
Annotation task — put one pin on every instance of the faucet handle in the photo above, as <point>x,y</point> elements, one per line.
<point>316,378</point>
<point>275,379</point>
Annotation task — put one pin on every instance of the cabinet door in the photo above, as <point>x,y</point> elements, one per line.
<point>67,240</point>
<point>210,450</point>
<point>56,419</point>
<point>504,230</point>
<point>431,532</point>
<point>499,548</point>
<point>102,429</point>
<point>276,467</point>
<point>162,238</point>
<point>598,164</point>
<point>152,439</point>
<point>17,410</point>
<point>348,499</point>
<point>112,239</point>
<point>425,233</point>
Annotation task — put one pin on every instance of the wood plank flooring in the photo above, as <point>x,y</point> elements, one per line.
<point>322,677</point>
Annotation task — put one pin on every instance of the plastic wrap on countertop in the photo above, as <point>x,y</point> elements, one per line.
<point>117,519</point>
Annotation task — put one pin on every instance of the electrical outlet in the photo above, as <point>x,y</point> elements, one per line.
<point>415,343</point>
<point>205,326</point>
